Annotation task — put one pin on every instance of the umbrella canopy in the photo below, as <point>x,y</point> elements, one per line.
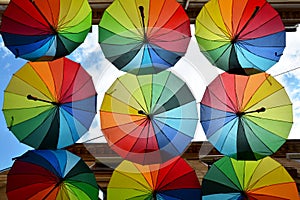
<point>264,179</point>
<point>240,36</point>
<point>49,105</point>
<point>51,174</point>
<point>45,29</point>
<point>246,117</point>
<point>172,180</point>
<point>144,37</point>
<point>149,119</point>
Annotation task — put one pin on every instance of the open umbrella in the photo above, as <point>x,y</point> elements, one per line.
<point>264,179</point>
<point>172,180</point>
<point>49,105</point>
<point>144,37</point>
<point>246,117</point>
<point>240,36</point>
<point>45,29</point>
<point>51,174</point>
<point>149,119</point>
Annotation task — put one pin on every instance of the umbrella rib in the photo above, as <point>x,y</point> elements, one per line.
<point>224,184</point>
<point>155,50</point>
<point>245,103</point>
<point>43,16</point>
<point>187,118</point>
<point>22,187</point>
<point>62,20</point>
<point>251,17</point>
<point>246,123</point>
<point>32,86</point>
<point>169,171</point>
<point>225,36</point>
<point>253,116</point>
<point>182,175</point>
<point>138,182</point>
<point>129,30</point>
<point>170,17</point>
<point>79,188</point>
<point>138,39</point>
<point>140,86</point>
<point>70,131</point>
<point>245,34</point>
<point>21,8</point>
<point>239,104</point>
<point>211,92</point>
<point>147,122</point>
<point>142,122</point>
<point>162,91</point>
<point>62,95</point>
<point>45,31</point>
<point>170,142</point>
<point>227,28</point>
<point>164,2</point>
<point>270,195</point>
<point>224,141</point>
<point>49,9</point>
<point>242,44</point>
<point>264,98</point>
<point>50,114</point>
<point>129,18</point>
<point>239,184</point>
<point>124,85</point>
<point>252,175</point>
<point>77,108</point>
<point>267,119</point>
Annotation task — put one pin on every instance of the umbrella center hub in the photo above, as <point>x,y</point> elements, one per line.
<point>240,114</point>
<point>149,116</point>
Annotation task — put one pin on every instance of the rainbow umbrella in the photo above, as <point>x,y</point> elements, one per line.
<point>149,119</point>
<point>240,36</point>
<point>45,29</point>
<point>144,37</point>
<point>246,117</point>
<point>49,105</point>
<point>172,180</point>
<point>51,174</point>
<point>266,179</point>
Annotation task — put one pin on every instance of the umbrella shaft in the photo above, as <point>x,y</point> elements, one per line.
<point>262,109</point>
<point>143,18</point>
<point>30,97</point>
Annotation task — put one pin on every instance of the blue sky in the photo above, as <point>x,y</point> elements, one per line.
<point>193,68</point>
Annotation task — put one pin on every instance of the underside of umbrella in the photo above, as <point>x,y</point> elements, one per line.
<point>246,117</point>
<point>144,37</point>
<point>230,179</point>
<point>50,105</point>
<point>149,119</point>
<point>240,36</point>
<point>51,174</point>
<point>172,180</point>
<point>45,29</point>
